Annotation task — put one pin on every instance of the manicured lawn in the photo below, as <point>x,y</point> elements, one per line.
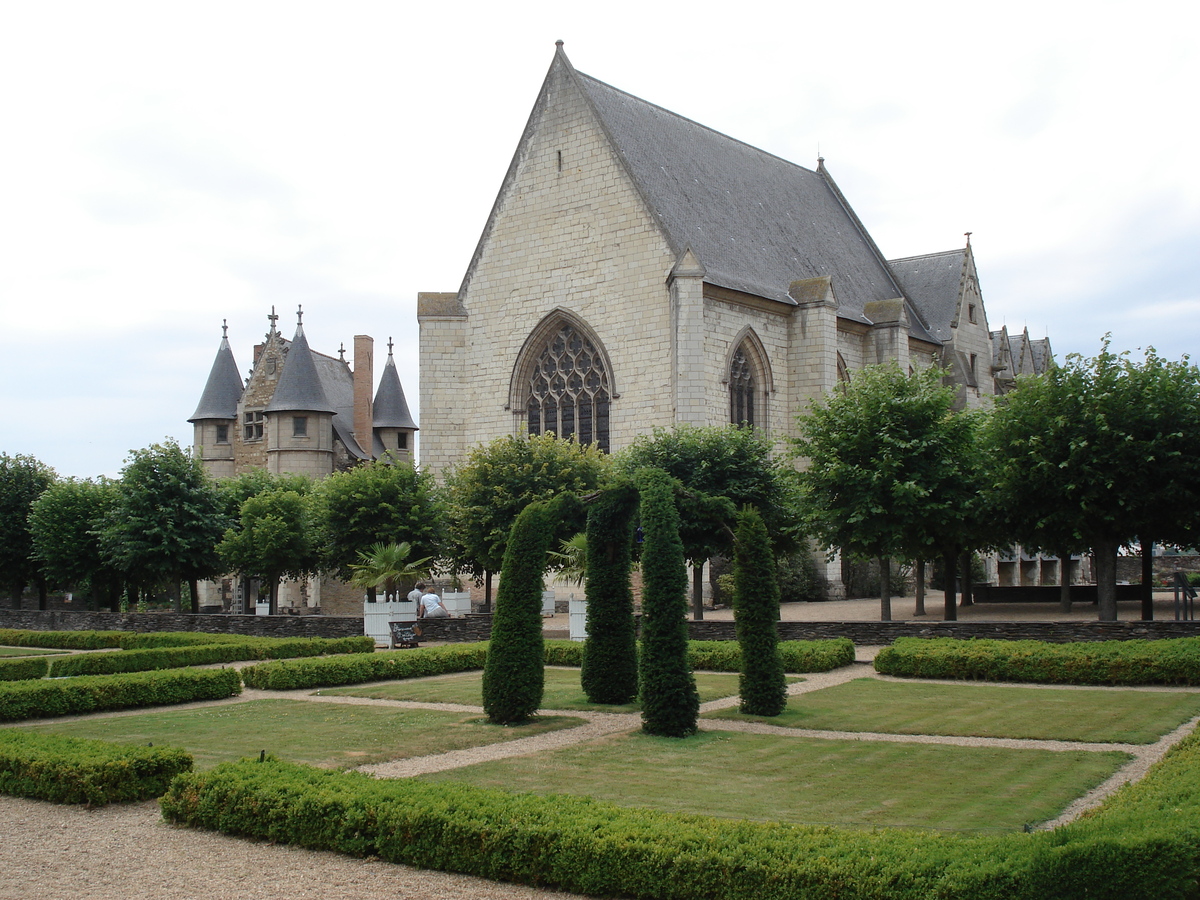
<point>27,651</point>
<point>562,690</point>
<point>788,779</point>
<point>321,734</point>
<point>1134,717</point>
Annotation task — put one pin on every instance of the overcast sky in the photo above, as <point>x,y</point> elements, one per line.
<point>170,165</point>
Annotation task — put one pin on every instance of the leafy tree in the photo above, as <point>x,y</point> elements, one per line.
<point>380,502</point>
<point>498,480</point>
<point>1098,451</point>
<point>22,481</point>
<point>609,673</point>
<point>167,521</point>
<point>65,523</point>
<point>761,684</point>
<point>726,461</point>
<point>514,673</point>
<point>387,566</point>
<point>891,470</point>
<point>274,539</point>
<point>670,703</point>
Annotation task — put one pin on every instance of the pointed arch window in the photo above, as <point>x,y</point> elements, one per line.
<point>568,389</point>
<point>742,387</point>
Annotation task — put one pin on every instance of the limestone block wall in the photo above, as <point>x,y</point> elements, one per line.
<point>569,231</point>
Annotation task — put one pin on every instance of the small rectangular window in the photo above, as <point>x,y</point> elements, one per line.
<point>971,312</point>
<point>402,441</point>
<point>252,426</point>
<point>222,434</point>
<point>974,368</point>
<point>299,426</point>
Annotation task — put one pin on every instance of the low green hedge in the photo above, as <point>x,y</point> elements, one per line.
<point>47,698</point>
<point>1174,661</point>
<point>1143,844</point>
<point>334,670</point>
<point>72,770</point>
<point>24,668</point>
<point>144,640</point>
<point>721,656</point>
<point>178,657</point>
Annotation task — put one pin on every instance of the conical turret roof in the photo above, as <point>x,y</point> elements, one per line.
<point>224,387</point>
<point>391,409</point>
<point>299,385</point>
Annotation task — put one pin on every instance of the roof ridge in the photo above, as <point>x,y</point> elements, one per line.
<point>900,259</point>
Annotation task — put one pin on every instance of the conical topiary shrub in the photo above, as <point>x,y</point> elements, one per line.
<point>610,670</point>
<point>670,704</point>
<point>761,684</point>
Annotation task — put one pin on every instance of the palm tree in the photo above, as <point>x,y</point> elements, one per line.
<point>386,566</point>
<point>571,559</point>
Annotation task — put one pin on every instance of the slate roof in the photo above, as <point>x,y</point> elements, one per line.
<point>933,283</point>
<point>300,387</point>
<point>756,222</point>
<point>390,409</point>
<point>337,382</point>
<point>223,389</point>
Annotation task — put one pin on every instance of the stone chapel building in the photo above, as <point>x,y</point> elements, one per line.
<point>299,412</point>
<point>639,269</point>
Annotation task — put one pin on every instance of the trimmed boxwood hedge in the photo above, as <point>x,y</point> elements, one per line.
<point>178,657</point>
<point>1172,661</point>
<point>24,668</point>
<point>73,770</point>
<point>717,656</point>
<point>1143,844</point>
<point>47,698</point>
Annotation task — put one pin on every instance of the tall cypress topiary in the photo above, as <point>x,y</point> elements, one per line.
<point>610,670</point>
<point>761,684</point>
<point>670,704</point>
<point>514,674</point>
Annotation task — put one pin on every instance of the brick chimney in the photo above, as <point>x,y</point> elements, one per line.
<point>364,381</point>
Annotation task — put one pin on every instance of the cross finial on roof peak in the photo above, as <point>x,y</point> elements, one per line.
<point>272,318</point>
<point>224,329</point>
<point>342,351</point>
<point>389,345</point>
<point>968,234</point>
<point>299,314</point>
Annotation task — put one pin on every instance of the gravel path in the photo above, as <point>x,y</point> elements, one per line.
<point>127,851</point>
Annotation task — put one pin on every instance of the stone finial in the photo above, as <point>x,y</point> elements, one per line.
<point>558,44</point>
<point>224,329</point>
<point>272,318</point>
<point>389,346</point>
<point>968,234</point>
<point>342,351</point>
<point>299,314</point>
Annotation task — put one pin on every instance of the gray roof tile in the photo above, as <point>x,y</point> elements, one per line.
<point>300,387</point>
<point>223,389</point>
<point>390,409</point>
<point>933,283</point>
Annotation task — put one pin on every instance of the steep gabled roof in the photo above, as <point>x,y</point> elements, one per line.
<point>390,409</point>
<point>933,283</point>
<point>300,387</point>
<point>755,221</point>
<point>223,389</point>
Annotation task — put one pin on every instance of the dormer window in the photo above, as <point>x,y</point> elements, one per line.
<point>299,426</point>
<point>252,426</point>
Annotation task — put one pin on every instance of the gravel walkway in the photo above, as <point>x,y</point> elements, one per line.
<point>128,851</point>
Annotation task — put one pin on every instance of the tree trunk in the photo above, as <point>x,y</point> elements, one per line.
<point>950,564</point>
<point>194,587</point>
<point>920,588</point>
<point>1106,579</point>
<point>885,589</point>
<point>1064,581</point>
<point>43,598</point>
<point>698,591</point>
<point>1147,580</point>
<point>372,595</point>
<point>487,591</point>
<point>965,566</point>
<point>273,597</point>
<point>176,597</point>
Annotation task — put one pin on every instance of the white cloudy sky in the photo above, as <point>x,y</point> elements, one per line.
<point>167,165</point>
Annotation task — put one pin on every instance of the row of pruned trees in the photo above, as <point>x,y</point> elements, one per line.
<point>1096,454</point>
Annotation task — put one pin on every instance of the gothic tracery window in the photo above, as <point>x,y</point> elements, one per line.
<point>741,389</point>
<point>568,390</point>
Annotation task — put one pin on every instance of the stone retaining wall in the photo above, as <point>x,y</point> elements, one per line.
<point>257,626</point>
